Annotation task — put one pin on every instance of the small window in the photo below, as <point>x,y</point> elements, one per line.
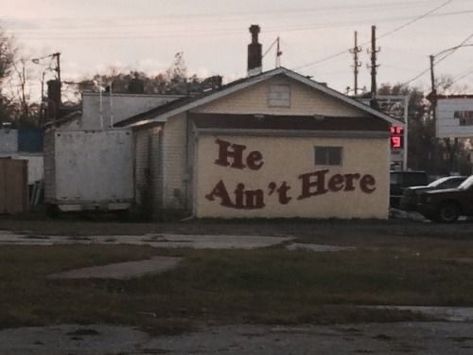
<point>279,95</point>
<point>328,155</point>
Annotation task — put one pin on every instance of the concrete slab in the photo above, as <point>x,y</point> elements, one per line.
<point>122,271</point>
<point>153,240</point>
<point>214,241</point>
<point>450,314</point>
<point>71,339</point>
<point>317,247</point>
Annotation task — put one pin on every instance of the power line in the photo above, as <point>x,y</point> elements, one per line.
<point>269,12</point>
<point>459,77</point>
<point>382,36</point>
<point>270,47</point>
<point>448,52</point>
<point>109,32</point>
<point>422,73</point>
<point>454,49</point>
<point>414,20</point>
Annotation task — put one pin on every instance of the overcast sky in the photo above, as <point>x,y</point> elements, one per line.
<point>93,35</point>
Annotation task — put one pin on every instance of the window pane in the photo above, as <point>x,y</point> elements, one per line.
<point>320,156</point>
<point>279,95</point>
<point>328,155</point>
<point>334,155</point>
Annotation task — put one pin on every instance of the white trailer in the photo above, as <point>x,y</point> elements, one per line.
<point>89,169</point>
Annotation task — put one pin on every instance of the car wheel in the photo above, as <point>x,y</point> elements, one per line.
<point>448,213</point>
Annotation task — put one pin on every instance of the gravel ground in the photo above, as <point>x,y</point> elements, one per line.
<point>371,338</point>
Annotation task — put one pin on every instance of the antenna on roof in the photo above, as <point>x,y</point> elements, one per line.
<point>278,53</point>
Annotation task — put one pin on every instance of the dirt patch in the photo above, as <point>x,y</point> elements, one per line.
<point>122,271</point>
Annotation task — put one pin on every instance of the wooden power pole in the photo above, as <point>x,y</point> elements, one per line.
<point>374,66</point>
<point>356,63</point>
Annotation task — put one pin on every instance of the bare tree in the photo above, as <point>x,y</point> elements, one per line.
<point>7,56</point>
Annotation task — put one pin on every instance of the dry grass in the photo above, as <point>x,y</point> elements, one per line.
<point>266,285</point>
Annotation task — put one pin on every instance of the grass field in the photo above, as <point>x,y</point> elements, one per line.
<point>269,285</point>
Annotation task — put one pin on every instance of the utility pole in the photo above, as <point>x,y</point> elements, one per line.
<point>374,66</point>
<point>22,76</point>
<point>41,107</point>
<point>432,75</point>
<point>356,63</point>
<point>278,53</point>
<point>433,88</point>
<point>57,69</point>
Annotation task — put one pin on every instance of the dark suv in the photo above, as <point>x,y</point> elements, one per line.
<point>402,179</point>
<point>447,205</point>
<point>410,196</point>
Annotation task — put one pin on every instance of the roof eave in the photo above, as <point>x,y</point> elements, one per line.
<point>340,96</point>
<point>163,117</point>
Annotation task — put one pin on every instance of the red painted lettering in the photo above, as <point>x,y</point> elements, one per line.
<point>239,194</point>
<point>350,181</point>
<point>282,193</point>
<point>244,199</point>
<point>255,160</point>
<point>367,183</point>
<point>224,153</point>
<point>335,183</point>
<point>313,184</point>
<point>220,191</point>
<point>254,199</point>
<point>227,151</point>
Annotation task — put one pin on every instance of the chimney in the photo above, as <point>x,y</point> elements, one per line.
<point>54,99</point>
<point>255,57</point>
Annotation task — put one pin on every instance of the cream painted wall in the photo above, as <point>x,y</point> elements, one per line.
<point>304,101</point>
<point>284,160</point>
<point>174,181</point>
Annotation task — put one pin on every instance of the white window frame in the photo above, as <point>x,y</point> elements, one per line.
<point>279,95</point>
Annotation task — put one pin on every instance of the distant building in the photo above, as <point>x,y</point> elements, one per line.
<point>24,144</point>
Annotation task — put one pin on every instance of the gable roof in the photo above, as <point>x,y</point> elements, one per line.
<point>162,113</point>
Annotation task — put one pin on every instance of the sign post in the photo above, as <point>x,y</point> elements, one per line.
<point>396,106</point>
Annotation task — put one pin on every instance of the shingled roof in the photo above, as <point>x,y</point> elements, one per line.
<point>162,113</point>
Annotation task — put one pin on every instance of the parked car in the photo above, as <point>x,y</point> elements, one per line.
<point>410,195</point>
<point>402,179</point>
<point>449,204</point>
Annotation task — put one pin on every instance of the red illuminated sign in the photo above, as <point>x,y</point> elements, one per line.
<point>397,137</point>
